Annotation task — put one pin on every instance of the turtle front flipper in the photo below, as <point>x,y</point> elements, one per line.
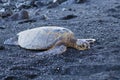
<point>12,41</point>
<point>55,50</point>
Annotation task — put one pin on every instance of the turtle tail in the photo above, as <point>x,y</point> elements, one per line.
<point>12,41</point>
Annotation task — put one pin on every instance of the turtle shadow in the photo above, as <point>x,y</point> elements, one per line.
<point>73,53</point>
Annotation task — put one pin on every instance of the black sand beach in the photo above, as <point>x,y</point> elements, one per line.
<point>99,19</point>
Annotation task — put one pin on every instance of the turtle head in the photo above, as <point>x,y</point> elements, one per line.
<point>83,44</point>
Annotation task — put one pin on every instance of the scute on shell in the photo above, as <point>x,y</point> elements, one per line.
<point>42,37</point>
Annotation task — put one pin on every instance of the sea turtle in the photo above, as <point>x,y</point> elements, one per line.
<point>54,39</point>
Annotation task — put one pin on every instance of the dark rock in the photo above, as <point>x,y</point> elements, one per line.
<point>68,17</point>
<point>5,13</point>
<point>20,15</point>
<point>24,14</point>
<point>42,17</point>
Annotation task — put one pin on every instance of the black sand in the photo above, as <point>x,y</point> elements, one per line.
<point>99,19</point>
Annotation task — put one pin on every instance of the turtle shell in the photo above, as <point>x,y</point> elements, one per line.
<point>43,37</point>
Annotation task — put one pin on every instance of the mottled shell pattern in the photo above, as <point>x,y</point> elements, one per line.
<point>43,37</point>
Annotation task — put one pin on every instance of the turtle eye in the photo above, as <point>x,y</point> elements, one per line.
<point>82,46</point>
<point>85,46</point>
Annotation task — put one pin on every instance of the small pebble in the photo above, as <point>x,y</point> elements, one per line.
<point>80,1</point>
<point>70,9</point>
<point>2,47</point>
<point>68,17</point>
<point>64,9</point>
<point>2,27</point>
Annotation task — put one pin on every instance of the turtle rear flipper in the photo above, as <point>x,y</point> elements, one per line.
<point>12,41</point>
<point>54,51</point>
